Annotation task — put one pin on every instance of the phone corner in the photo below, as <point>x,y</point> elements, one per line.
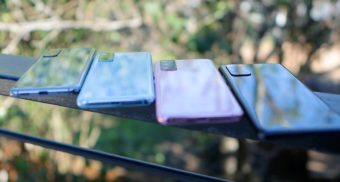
<point>239,111</point>
<point>162,119</point>
<point>13,92</point>
<point>150,98</point>
<point>81,103</point>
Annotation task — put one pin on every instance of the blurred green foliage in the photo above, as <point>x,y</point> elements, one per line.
<point>224,31</point>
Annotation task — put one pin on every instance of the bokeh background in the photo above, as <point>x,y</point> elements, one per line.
<point>303,35</point>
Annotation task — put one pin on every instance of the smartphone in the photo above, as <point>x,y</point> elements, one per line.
<point>277,102</point>
<point>56,71</point>
<point>118,80</point>
<point>17,64</point>
<point>193,92</point>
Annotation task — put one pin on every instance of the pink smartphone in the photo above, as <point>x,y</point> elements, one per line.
<point>192,92</point>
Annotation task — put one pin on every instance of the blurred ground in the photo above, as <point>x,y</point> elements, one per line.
<point>303,35</point>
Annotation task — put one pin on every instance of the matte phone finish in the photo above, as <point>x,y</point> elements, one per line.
<point>191,92</point>
<point>56,71</point>
<point>125,80</point>
<point>277,102</point>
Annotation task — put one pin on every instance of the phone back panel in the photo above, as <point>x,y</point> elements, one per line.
<point>126,80</point>
<point>63,71</point>
<point>278,102</point>
<point>193,93</point>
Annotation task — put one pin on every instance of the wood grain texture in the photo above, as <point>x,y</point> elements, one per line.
<point>242,129</point>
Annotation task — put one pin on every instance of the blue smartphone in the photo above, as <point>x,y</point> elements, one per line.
<point>118,80</point>
<point>56,71</point>
<point>277,102</point>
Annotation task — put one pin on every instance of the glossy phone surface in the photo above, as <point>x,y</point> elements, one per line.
<point>56,71</point>
<point>119,79</point>
<point>277,102</point>
<point>191,92</point>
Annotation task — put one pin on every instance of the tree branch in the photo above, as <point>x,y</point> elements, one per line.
<point>12,46</point>
<point>21,29</point>
<point>48,25</point>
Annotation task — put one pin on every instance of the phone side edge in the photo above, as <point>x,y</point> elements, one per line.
<point>243,103</point>
<point>161,118</point>
<point>85,72</point>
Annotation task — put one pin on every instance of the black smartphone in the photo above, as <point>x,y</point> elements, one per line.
<point>277,102</point>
